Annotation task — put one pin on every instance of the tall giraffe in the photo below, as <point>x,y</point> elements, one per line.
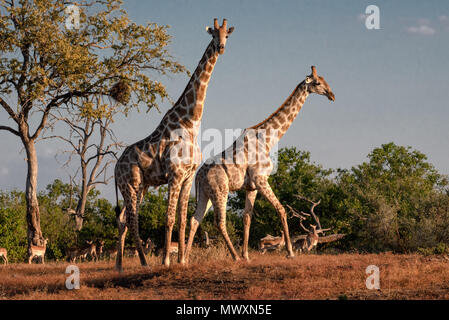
<point>246,165</point>
<point>169,155</point>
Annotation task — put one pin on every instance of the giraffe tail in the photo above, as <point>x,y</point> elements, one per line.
<point>196,191</point>
<point>117,207</point>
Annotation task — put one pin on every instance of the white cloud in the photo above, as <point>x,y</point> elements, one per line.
<point>423,30</point>
<point>443,19</point>
<point>4,171</point>
<point>423,21</point>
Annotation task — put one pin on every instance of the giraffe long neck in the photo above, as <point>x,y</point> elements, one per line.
<point>277,124</point>
<point>189,106</point>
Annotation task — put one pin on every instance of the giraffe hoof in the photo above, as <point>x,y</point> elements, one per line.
<point>290,256</point>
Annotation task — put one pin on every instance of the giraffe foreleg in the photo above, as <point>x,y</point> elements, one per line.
<point>173,196</point>
<point>134,229</point>
<point>264,188</point>
<point>182,214</point>
<point>249,206</point>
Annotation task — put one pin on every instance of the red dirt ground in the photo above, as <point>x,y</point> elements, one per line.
<point>213,275</point>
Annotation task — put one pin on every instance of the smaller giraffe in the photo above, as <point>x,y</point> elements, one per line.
<point>246,164</point>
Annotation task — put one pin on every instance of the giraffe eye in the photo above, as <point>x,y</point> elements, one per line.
<point>317,83</point>
<point>227,37</point>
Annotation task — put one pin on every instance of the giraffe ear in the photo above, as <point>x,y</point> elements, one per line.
<point>309,79</point>
<point>230,30</point>
<point>209,30</point>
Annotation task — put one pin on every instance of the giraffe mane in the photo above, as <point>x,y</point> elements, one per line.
<point>277,110</point>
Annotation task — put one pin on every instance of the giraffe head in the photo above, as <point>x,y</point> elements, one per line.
<point>317,84</point>
<point>220,35</point>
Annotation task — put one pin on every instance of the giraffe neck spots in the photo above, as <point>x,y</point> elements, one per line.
<point>278,123</point>
<point>189,108</point>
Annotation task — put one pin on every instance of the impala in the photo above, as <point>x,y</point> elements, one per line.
<point>81,254</point>
<point>272,243</point>
<point>37,251</point>
<point>111,253</point>
<point>4,255</point>
<point>72,254</point>
<point>100,248</point>
<point>172,250</point>
<point>91,250</point>
<point>147,248</point>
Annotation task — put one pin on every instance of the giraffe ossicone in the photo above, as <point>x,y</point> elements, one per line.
<point>216,178</point>
<point>154,161</point>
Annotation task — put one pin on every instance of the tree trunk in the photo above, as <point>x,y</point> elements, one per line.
<point>33,216</point>
<point>81,207</point>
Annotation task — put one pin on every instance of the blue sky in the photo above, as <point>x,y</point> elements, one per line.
<point>390,84</point>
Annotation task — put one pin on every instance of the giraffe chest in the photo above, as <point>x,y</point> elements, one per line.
<point>182,152</point>
<point>236,176</point>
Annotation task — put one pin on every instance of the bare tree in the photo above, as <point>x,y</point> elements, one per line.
<point>92,144</point>
<point>312,238</point>
<point>45,65</point>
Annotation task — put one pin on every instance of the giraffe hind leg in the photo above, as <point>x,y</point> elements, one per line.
<point>122,229</point>
<point>203,206</point>
<point>249,206</point>
<point>135,223</point>
<point>134,229</point>
<point>219,204</point>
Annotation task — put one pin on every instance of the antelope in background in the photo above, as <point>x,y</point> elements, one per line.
<point>72,254</point>
<point>36,251</point>
<point>76,253</point>
<point>306,243</point>
<point>90,250</point>
<point>172,250</point>
<point>206,241</point>
<point>272,243</point>
<point>4,255</point>
<point>111,253</point>
<point>148,247</point>
<point>100,248</point>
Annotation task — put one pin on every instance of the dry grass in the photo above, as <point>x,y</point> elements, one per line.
<point>213,275</point>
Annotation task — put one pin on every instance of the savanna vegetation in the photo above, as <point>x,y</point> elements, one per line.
<point>395,201</point>
<point>211,276</point>
<point>76,80</point>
